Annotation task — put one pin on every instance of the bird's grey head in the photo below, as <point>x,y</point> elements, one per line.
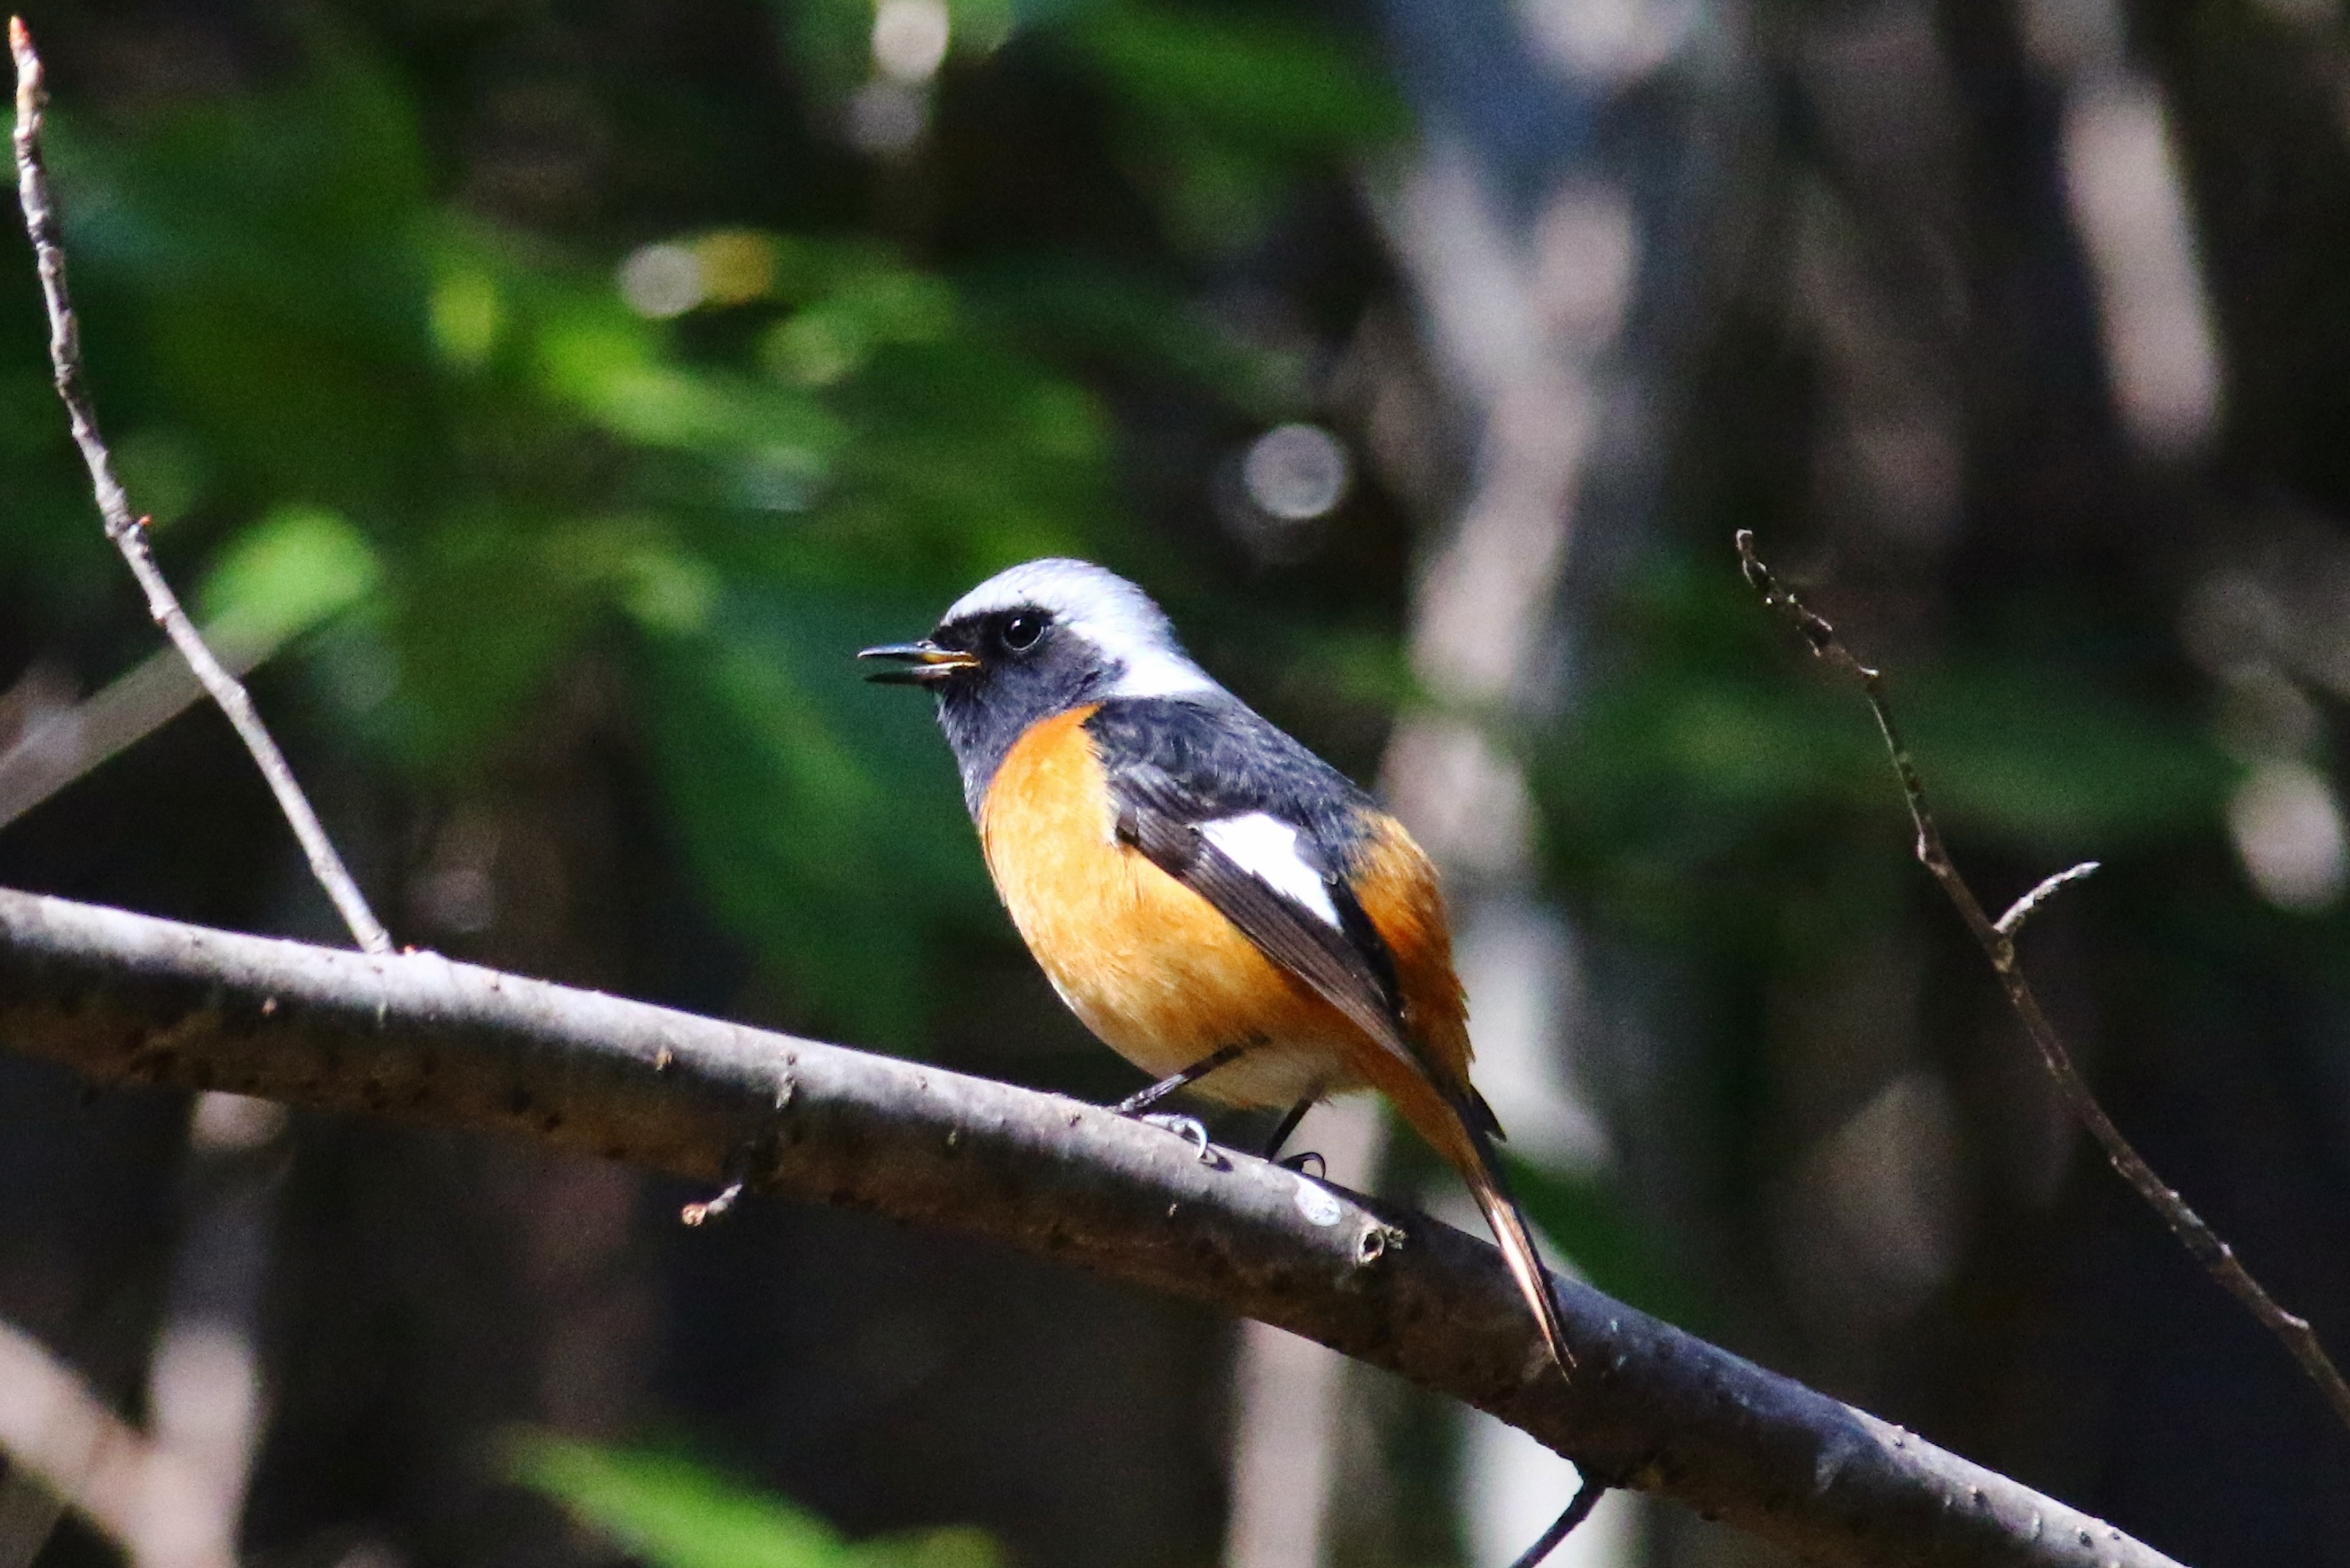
<point>1032,642</point>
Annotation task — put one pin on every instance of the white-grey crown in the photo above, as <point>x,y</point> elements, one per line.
<point>1105,610</point>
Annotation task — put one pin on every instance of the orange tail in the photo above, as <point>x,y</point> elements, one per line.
<point>1482,1172</point>
<point>1460,1133</point>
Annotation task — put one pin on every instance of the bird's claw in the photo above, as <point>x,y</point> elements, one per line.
<point>1186,1127</point>
<point>1297,1162</point>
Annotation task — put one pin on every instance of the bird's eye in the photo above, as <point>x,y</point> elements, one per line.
<point>1021,632</point>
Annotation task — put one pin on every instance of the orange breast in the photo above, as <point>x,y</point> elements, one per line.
<point>1149,965</point>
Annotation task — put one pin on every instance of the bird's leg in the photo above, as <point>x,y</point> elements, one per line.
<point>1138,1105</point>
<point>1133,1104</point>
<point>1297,1114</point>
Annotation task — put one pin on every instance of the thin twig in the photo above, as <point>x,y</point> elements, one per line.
<point>2024,909</point>
<point>1996,939</point>
<point>128,531</point>
<point>63,742</point>
<point>1586,1497</point>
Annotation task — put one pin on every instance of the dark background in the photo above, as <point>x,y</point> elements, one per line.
<point>552,397</point>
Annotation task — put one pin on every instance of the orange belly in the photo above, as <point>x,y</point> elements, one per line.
<point>1149,965</point>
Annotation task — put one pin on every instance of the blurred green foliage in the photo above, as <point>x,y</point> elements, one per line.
<point>668,1512</point>
<point>720,457</point>
<point>475,354</point>
<point>1720,810</point>
<point>1678,794</point>
<point>1217,109</point>
<point>293,570</point>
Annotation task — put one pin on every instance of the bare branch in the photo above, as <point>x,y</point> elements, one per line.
<point>139,1494</point>
<point>61,740</point>
<point>1996,939</point>
<point>129,532</point>
<point>125,999</point>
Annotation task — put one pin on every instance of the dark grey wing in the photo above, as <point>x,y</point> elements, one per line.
<point>1358,982</point>
<point>1209,756</point>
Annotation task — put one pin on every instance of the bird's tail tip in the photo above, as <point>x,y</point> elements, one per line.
<point>1515,1239</point>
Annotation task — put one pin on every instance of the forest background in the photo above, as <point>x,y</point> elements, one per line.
<point>545,401</point>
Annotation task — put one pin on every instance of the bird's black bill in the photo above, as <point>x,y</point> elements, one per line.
<point>925,663</point>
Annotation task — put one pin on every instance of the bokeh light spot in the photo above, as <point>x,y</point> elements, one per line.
<point>1296,472</point>
<point>662,281</point>
<point>2288,828</point>
<point>910,39</point>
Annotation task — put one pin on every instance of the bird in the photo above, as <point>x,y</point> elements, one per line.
<point>1220,905</point>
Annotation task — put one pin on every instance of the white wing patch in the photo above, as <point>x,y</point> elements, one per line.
<point>1266,848</point>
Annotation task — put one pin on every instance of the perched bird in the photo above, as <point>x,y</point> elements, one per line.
<point>1222,906</point>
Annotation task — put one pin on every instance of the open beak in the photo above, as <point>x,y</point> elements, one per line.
<point>926,664</point>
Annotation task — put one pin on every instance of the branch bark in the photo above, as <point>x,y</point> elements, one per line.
<point>127,999</point>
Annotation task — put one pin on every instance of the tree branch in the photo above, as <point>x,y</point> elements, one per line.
<point>145,1497</point>
<point>62,741</point>
<point>1997,940</point>
<point>129,532</point>
<point>125,999</point>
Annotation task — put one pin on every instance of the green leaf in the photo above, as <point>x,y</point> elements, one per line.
<point>1255,80</point>
<point>670,1512</point>
<point>295,569</point>
<point>673,1513</point>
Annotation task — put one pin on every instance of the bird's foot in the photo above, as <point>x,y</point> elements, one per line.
<point>1300,1160</point>
<point>1190,1128</point>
